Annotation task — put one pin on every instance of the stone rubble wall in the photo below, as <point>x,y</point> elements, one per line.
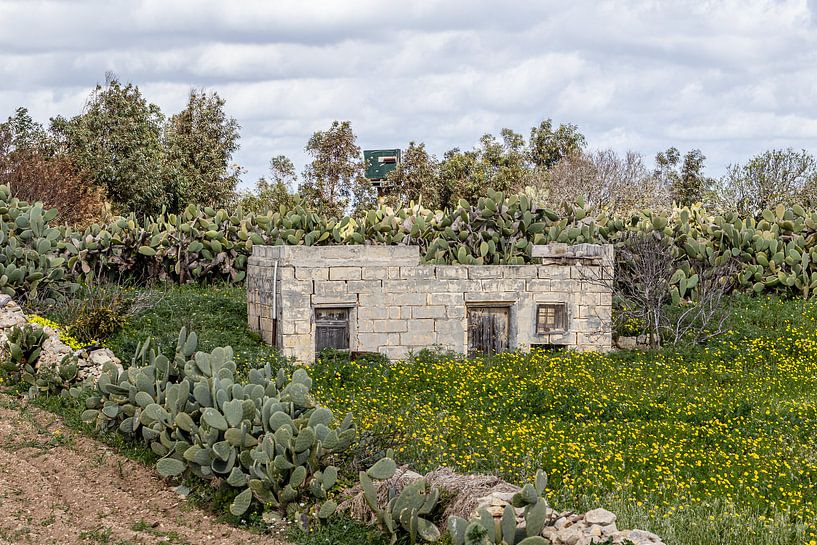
<point>597,526</point>
<point>89,361</point>
<point>399,306</point>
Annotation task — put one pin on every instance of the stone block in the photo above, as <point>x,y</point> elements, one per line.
<point>342,255</point>
<point>419,271</point>
<point>451,272</point>
<point>418,339</point>
<point>425,324</point>
<point>311,273</point>
<point>519,271</point>
<point>345,273</point>
<point>366,326</point>
<point>446,299</point>
<point>330,287</point>
<point>450,331</point>
<point>334,300</point>
<point>390,326</point>
<point>490,286</point>
<point>300,313</point>
<point>554,272</point>
<point>537,286</point>
<point>371,342</point>
<point>481,272</point>
<point>432,311</point>
<point>364,286</point>
<point>295,300</point>
<point>374,273</point>
<point>398,285</point>
<point>491,297</point>
<point>303,327</point>
<point>408,299</point>
<point>373,313</point>
<point>371,300</point>
<point>396,352</point>
<point>399,313</point>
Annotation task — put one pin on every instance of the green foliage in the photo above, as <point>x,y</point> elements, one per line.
<point>334,180</point>
<point>117,140</point>
<point>338,529</point>
<point>23,346</point>
<point>31,263</point>
<point>94,312</point>
<point>403,510</point>
<point>265,437</point>
<point>656,434</point>
<point>485,531</point>
<point>217,312</point>
<point>48,380</point>
<point>201,140</point>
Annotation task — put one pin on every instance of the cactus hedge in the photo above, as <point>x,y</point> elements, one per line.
<point>265,437</point>
<point>775,252</point>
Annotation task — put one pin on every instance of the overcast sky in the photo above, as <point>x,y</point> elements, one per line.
<point>732,78</point>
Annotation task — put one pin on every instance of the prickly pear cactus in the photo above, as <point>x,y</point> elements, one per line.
<point>30,255</point>
<point>404,512</point>
<point>486,531</point>
<point>266,437</point>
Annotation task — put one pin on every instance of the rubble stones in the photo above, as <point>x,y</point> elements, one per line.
<point>89,363</point>
<point>568,528</point>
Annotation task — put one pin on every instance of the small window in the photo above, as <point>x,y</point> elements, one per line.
<point>331,329</point>
<point>550,318</point>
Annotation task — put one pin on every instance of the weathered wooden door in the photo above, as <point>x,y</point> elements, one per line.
<point>488,330</point>
<point>331,329</point>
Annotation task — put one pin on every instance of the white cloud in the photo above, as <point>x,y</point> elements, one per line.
<point>733,77</point>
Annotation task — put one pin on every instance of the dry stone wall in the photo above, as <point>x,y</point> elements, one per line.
<point>89,361</point>
<point>397,306</point>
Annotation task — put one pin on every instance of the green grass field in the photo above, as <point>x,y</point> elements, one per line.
<point>703,445</point>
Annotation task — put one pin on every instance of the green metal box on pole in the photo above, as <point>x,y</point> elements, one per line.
<point>379,163</point>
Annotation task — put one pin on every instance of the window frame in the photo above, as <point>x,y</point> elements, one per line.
<point>559,319</point>
<point>344,324</point>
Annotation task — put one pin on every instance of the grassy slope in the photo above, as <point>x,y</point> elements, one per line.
<point>218,314</point>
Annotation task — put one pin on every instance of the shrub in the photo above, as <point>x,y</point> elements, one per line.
<point>266,437</point>
<point>23,345</point>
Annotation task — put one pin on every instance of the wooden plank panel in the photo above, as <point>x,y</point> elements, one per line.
<point>488,330</point>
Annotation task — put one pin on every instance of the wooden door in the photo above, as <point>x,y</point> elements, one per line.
<point>488,330</point>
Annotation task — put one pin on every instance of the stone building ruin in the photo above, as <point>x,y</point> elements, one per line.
<point>380,299</point>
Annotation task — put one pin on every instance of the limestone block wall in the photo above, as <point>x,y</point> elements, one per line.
<point>397,306</point>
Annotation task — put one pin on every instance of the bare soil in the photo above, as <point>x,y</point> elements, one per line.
<point>58,486</point>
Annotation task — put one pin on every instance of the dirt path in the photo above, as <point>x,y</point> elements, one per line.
<point>58,486</point>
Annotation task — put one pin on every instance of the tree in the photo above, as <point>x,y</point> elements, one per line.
<point>415,179</point>
<point>29,166</point>
<point>267,196</point>
<point>273,193</point>
<point>282,171</point>
<point>547,147</point>
<point>603,179</point>
<point>201,140</point>
<point>505,163</point>
<point>461,177</point>
<point>117,141</point>
<point>335,178</point>
<point>685,180</point>
<point>771,178</point>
